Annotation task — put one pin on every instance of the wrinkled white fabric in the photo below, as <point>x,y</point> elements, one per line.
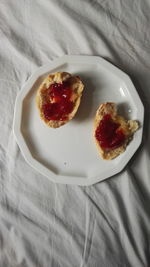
<point>44,224</point>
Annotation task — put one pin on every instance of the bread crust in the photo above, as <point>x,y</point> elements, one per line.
<point>128,126</point>
<point>76,86</point>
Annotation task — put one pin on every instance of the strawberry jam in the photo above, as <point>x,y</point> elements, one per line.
<point>109,134</point>
<point>59,92</point>
<point>58,104</point>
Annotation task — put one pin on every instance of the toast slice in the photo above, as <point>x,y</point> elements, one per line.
<point>112,132</point>
<point>58,98</point>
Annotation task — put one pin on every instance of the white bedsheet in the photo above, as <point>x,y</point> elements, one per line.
<point>44,224</point>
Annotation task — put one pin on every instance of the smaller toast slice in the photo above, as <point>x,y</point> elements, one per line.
<point>112,133</point>
<point>57,103</point>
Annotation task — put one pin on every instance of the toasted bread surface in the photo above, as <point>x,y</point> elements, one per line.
<point>128,127</point>
<point>75,85</point>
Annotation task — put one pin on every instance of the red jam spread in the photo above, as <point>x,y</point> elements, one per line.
<point>58,104</point>
<point>109,134</point>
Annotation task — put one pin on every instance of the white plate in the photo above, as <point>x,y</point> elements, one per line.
<point>68,154</point>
